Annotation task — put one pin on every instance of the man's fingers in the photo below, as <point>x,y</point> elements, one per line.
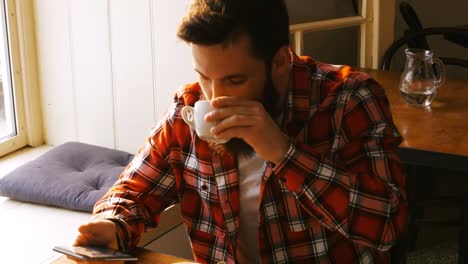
<point>93,227</point>
<point>228,107</point>
<point>236,121</point>
<point>89,232</point>
<point>93,233</point>
<point>80,242</point>
<point>84,229</point>
<point>222,113</point>
<point>84,239</point>
<point>236,132</point>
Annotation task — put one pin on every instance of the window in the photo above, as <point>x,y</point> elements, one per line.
<point>18,78</point>
<point>363,27</point>
<point>7,114</point>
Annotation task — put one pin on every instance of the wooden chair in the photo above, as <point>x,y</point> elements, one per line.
<point>415,37</point>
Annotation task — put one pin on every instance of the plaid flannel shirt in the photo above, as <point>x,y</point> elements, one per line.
<point>338,196</point>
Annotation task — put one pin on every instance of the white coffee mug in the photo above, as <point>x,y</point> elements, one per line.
<point>194,117</point>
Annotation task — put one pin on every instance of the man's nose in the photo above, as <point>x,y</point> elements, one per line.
<point>217,90</point>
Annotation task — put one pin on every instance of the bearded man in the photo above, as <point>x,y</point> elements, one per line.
<point>310,173</point>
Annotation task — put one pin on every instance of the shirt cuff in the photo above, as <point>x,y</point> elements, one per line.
<point>121,234</point>
<point>290,171</point>
<point>279,166</point>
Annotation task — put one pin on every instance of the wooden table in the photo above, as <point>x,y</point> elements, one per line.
<point>144,257</point>
<point>436,136</point>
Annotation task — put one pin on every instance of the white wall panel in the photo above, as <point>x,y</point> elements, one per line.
<point>55,71</point>
<point>132,63</point>
<point>91,57</point>
<point>109,68</point>
<point>173,59</point>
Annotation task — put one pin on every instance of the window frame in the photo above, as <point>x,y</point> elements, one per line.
<point>376,24</point>
<point>21,38</point>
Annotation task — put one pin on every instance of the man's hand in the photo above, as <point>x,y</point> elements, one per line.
<point>100,233</point>
<point>248,120</point>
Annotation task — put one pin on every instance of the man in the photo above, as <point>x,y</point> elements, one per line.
<point>310,174</point>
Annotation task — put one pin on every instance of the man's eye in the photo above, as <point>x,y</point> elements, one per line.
<point>237,81</point>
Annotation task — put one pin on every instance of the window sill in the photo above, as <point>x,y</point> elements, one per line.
<point>15,159</point>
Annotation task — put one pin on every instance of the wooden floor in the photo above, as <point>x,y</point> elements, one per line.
<point>438,242</point>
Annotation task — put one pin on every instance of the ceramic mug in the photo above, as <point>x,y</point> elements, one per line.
<point>194,117</point>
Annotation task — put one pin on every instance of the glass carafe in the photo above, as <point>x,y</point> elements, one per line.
<point>421,78</point>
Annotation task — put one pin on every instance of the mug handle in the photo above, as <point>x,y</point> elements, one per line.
<point>439,71</point>
<point>188,116</point>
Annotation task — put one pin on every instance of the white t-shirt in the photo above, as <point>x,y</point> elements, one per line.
<point>250,178</point>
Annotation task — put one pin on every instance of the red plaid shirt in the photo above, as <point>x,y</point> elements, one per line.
<point>337,196</point>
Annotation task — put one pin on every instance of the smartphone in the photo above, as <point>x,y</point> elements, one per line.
<point>94,253</point>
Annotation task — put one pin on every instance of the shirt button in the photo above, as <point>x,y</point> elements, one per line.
<point>204,187</point>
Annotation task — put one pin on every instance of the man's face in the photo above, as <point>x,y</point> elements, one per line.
<point>231,70</point>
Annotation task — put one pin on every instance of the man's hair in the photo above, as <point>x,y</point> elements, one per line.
<point>212,22</point>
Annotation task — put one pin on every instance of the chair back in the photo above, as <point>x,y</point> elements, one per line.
<point>415,37</point>
<point>414,25</point>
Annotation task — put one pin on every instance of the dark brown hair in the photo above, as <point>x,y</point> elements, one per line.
<point>211,22</point>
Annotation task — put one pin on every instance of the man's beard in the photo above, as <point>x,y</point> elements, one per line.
<point>269,101</point>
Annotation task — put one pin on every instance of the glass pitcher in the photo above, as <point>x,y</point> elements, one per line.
<point>421,78</point>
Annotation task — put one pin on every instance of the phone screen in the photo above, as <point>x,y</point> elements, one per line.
<point>94,253</point>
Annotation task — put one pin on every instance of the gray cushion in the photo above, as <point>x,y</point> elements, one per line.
<point>72,175</point>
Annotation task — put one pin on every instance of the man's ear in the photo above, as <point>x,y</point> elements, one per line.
<point>281,61</point>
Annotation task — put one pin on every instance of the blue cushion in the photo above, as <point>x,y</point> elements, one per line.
<point>72,175</point>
